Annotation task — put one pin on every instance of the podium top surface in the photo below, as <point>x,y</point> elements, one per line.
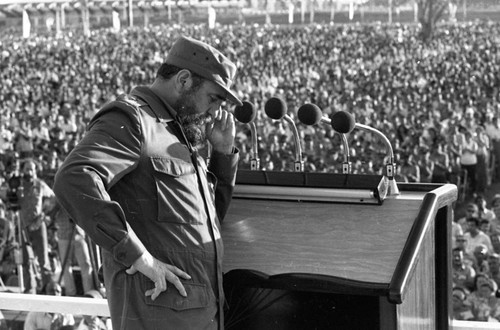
<point>358,242</point>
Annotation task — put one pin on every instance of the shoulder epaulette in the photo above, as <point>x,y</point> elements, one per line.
<point>130,99</point>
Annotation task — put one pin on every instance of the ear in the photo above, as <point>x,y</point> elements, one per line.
<point>183,80</point>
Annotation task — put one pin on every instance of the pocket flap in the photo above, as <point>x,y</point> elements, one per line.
<point>197,297</point>
<point>173,167</point>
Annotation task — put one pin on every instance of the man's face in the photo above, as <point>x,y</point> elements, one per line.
<point>461,242</point>
<point>479,254</point>
<point>29,171</point>
<point>196,108</point>
<point>472,225</point>
<point>471,212</point>
<point>493,263</point>
<point>457,258</point>
<point>495,241</point>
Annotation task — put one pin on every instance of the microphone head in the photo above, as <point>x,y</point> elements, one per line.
<point>275,108</point>
<point>245,113</point>
<point>343,122</point>
<point>309,114</point>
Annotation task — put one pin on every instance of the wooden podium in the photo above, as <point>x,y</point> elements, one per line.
<point>307,261</point>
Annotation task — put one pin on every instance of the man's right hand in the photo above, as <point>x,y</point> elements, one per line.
<point>160,273</point>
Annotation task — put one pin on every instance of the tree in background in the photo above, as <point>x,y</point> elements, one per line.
<point>429,13</point>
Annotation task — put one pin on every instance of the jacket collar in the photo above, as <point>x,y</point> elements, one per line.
<point>156,102</point>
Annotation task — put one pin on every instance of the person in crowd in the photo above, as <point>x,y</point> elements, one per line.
<point>34,198</point>
<point>495,241</point>
<point>494,267</point>
<point>93,322</point>
<point>483,159</point>
<point>146,196</point>
<point>45,320</point>
<point>471,211</point>
<point>72,245</point>
<point>461,243</point>
<point>495,207</point>
<point>483,303</point>
<point>463,275</point>
<point>468,159</point>
<point>492,128</point>
<point>461,311</point>
<point>476,237</point>
<point>480,256</point>
<point>456,231</point>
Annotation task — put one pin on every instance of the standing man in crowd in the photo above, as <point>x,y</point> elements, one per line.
<point>35,199</point>
<point>137,185</point>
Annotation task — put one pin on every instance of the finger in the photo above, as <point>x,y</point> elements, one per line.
<point>223,119</point>
<point>160,286</point>
<point>178,272</point>
<point>177,284</point>
<point>230,121</point>
<point>131,271</point>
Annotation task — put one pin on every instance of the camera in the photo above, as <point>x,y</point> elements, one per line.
<point>14,186</point>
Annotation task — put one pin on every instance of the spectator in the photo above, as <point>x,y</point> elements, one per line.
<point>483,303</point>
<point>475,237</point>
<point>480,256</point>
<point>468,159</point>
<point>461,311</point>
<point>92,322</point>
<point>461,243</point>
<point>494,267</point>
<point>463,275</point>
<point>35,192</point>
<point>471,211</point>
<point>492,128</point>
<point>483,159</point>
<point>45,320</point>
<point>495,207</point>
<point>72,245</point>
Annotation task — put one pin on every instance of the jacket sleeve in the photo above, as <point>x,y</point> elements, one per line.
<point>224,167</point>
<point>110,149</point>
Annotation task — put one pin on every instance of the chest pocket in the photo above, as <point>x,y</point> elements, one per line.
<point>178,191</point>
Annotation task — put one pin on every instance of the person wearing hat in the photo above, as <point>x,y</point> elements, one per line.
<point>138,186</point>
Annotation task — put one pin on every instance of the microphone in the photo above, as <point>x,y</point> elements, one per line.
<point>390,167</point>
<point>311,114</point>
<point>246,114</point>
<point>276,108</point>
<point>342,122</point>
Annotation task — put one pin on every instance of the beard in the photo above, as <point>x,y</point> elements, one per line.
<point>193,123</point>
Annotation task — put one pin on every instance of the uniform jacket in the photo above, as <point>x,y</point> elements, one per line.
<point>132,185</point>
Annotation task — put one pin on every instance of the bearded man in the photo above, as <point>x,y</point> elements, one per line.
<point>137,185</point>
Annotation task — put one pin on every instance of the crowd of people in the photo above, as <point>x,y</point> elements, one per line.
<point>438,104</point>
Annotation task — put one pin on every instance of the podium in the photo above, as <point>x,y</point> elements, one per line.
<point>309,253</point>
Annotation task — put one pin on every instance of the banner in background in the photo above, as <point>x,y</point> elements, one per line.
<point>291,8</point>
<point>116,21</point>
<point>211,17</point>
<point>26,24</point>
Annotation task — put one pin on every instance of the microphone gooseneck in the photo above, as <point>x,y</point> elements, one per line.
<point>311,114</point>
<point>390,167</point>
<point>246,114</point>
<point>276,108</point>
